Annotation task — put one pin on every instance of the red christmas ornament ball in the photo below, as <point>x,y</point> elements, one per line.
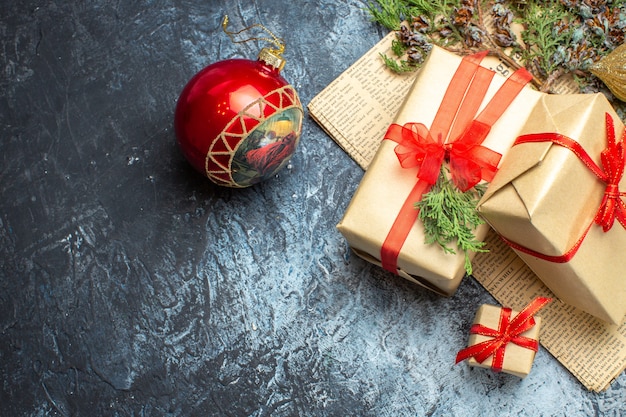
<point>238,121</point>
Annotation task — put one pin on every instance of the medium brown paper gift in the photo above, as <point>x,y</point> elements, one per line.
<point>386,185</point>
<point>544,198</point>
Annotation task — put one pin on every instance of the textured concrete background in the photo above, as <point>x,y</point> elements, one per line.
<point>131,286</point>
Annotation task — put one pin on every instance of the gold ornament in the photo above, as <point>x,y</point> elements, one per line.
<point>612,71</point>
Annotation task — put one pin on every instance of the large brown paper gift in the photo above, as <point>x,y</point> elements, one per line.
<point>385,186</point>
<point>503,339</point>
<point>544,201</point>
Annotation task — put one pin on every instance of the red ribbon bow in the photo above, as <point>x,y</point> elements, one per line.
<point>469,161</point>
<point>509,331</point>
<point>613,160</point>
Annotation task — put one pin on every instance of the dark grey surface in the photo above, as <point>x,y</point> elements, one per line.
<point>131,286</point>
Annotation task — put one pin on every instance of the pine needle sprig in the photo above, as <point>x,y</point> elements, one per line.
<point>423,17</point>
<point>543,35</point>
<point>397,66</point>
<point>449,216</point>
<point>432,8</point>
<point>398,48</point>
<point>388,13</point>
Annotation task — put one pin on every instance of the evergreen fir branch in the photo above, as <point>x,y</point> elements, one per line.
<point>430,8</point>
<point>449,216</point>
<point>542,34</point>
<point>398,48</point>
<point>388,13</point>
<point>399,66</point>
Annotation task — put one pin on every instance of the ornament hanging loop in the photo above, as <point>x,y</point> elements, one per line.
<point>271,56</point>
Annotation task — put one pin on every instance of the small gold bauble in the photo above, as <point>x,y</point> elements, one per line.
<point>612,71</point>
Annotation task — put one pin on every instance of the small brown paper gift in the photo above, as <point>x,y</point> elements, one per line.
<point>503,339</point>
<point>384,192</point>
<point>545,199</point>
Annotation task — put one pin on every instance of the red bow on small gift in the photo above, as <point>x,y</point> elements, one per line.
<point>508,331</point>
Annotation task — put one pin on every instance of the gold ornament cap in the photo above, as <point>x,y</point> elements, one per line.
<point>272,58</point>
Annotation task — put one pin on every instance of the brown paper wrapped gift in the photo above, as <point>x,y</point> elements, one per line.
<point>386,185</point>
<point>544,201</point>
<point>504,339</point>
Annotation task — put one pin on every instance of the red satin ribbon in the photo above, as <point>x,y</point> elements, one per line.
<point>612,207</point>
<point>454,136</point>
<point>508,331</point>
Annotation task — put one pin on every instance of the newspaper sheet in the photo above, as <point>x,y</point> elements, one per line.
<point>592,350</point>
<point>379,93</point>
